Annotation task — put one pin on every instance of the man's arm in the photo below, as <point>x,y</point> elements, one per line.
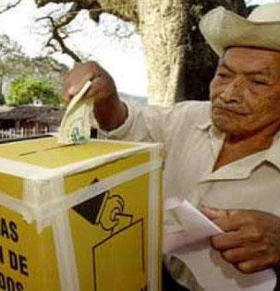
<point>109,111</point>
<point>251,238</point>
<point>135,122</point>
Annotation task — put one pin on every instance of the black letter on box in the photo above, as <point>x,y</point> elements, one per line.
<point>2,281</point>
<point>23,265</point>
<point>1,255</point>
<point>19,287</point>
<point>13,260</point>
<point>14,234</point>
<point>10,284</point>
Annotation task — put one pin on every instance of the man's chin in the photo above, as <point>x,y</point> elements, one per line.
<point>226,126</point>
<point>222,128</point>
<point>221,122</point>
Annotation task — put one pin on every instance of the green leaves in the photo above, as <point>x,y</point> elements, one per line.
<point>27,90</point>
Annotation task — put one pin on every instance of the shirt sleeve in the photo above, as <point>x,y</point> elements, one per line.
<point>146,123</point>
<point>143,124</point>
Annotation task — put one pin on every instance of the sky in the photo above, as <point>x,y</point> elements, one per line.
<point>123,59</point>
<point>253,2</point>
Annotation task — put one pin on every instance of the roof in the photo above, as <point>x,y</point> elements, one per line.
<point>133,98</point>
<point>43,114</point>
<point>5,108</point>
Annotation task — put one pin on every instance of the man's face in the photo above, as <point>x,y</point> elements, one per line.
<point>245,91</point>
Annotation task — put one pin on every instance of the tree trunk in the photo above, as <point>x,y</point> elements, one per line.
<point>2,99</point>
<point>180,65</point>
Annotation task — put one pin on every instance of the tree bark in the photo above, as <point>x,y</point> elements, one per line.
<point>2,98</point>
<point>180,64</point>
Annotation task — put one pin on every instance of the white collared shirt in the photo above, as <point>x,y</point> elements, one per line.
<point>192,145</point>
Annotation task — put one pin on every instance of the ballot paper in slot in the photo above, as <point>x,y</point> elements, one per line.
<point>75,126</point>
<point>186,237</point>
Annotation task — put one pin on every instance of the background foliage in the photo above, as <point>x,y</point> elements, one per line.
<point>26,90</point>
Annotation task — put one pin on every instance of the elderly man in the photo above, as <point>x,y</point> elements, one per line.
<point>224,154</point>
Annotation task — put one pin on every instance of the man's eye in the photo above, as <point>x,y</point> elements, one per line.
<point>259,82</point>
<point>223,75</point>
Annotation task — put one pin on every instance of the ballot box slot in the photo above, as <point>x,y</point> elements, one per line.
<point>45,150</point>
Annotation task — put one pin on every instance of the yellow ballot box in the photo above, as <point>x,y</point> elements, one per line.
<point>80,217</point>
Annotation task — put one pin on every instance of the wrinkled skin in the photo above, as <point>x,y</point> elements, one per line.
<point>245,96</point>
<point>245,91</point>
<point>251,241</point>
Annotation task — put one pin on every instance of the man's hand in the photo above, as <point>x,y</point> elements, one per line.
<point>109,111</point>
<point>251,241</point>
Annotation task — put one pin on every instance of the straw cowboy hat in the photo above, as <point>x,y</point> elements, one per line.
<point>223,29</point>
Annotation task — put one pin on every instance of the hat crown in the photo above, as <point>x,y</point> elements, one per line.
<point>223,28</point>
<point>266,13</point>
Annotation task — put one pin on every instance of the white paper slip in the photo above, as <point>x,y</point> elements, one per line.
<point>186,237</point>
<point>184,225</point>
<point>75,126</point>
<point>213,273</point>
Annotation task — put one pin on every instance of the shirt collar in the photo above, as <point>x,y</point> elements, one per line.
<point>273,153</point>
<point>240,168</point>
<point>216,137</point>
<point>204,126</point>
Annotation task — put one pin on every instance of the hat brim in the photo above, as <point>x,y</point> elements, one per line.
<point>223,29</point>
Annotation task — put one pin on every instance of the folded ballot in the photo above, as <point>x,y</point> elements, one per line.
<point>75,125</point>
<point>186,225</point>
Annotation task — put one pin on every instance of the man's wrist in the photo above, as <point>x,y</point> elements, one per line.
<point>110,114</point>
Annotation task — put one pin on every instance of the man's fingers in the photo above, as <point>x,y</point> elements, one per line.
<point>251,238</point>
<point>70,89</point>
<point>236,238</point>
<point>78,76</point>
<point>241,254</point>
<point>69,93</point>
<point>229,223</point>
<point>257,264</point>
<point>214,213</point>
<point>98,85</point>
<point>226,241</point>
<point>99,88</point>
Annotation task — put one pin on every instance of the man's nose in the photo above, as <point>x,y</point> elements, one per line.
<point>233,92</point>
